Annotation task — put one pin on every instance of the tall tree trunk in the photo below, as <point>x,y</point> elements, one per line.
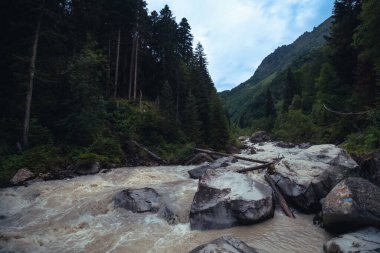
<point>108,70</point>
<point>131,68</point>
<point>29,92</point>
<point>117,64</point>
<point>136,65</point>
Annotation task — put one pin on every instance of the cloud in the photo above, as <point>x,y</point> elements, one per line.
<point>238,34</point>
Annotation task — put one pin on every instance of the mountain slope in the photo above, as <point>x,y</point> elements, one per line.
<point>238,99</point>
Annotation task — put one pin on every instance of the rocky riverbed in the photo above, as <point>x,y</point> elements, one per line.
<point>162,209</point>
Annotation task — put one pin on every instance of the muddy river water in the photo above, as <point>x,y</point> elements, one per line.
<point>78,215</point>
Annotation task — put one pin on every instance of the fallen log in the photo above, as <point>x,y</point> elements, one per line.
<point>279,196</point>
<point>252,168</point>
<point>148,151</point>
<point>225,154</point>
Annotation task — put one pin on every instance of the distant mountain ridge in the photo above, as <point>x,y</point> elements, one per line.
<point>238,98</point>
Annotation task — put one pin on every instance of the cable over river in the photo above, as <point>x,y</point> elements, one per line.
<point>78,215</point>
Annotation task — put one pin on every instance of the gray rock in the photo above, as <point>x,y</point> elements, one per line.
<point>226,199</point>
<point>260,136</point>
<point>225,244</point>
<point>282,144</point>
<point>89,170</point>
<point>138,200</point>
<point>353,203</point>
<point>308,176</point>
<point>221,162</point>
<point>21,176</point>
<point>233,150</point>
<point>363,241</point>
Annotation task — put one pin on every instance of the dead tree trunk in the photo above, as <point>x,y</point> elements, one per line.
<point>147,151</point>
<point>108,70</point>
<point>252,168</point>
<point>225,154</point>
<point>117,64</point>
<point>136,65</point>
<point>279,197</point>
<point>131,68</point>
<point>32,69</point>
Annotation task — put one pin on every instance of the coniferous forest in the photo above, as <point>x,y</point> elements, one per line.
<point>324,88</point>
<point>81,79</point>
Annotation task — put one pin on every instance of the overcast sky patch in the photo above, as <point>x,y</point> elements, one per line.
<point>238,34</point>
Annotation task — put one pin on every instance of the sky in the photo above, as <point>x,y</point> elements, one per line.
<point>238,34</point>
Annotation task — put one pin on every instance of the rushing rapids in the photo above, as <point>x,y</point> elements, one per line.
<point>78,215</point>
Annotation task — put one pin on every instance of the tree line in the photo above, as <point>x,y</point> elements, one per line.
<point>76,71</point>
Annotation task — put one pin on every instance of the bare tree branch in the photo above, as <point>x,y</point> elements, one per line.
<point>344,113</point>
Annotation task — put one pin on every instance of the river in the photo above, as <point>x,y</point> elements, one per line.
<point>77,215</point>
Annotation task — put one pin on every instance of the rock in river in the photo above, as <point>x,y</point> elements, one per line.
<point>226,199</point>
<point>225,244</point>
<point>353,203</point>
<point>363,241</point>
<point>197,172</point>
<point>259,136</point>
<point>21,176</point>
<point>308,176</point>
<point>138,200</point>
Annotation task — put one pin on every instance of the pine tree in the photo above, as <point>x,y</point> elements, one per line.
<point>269,104</point>
<point>185,41</point>
<point>166,100</point>
<point>191,123</point>
<point>289,91</point>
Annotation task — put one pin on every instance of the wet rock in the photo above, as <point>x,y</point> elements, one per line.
<point>138,200</point>
<point>199,158</point>
<point>233,150</point>
<point>252,151</point>
<point>21,176</point>
<point>221,162</point>
<point>282,144</point>
<point>353,203</point>
<point>308,176</point>
<point>226,199</point>
<point>243,138</point>
<point>304,145</point>
<point>363,241</point>
<point>260,136</point>
<point>225,244</point>
<point>89,169</point>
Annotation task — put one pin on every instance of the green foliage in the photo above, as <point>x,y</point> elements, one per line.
<point>86,160</point>
<point>363,142</point>
<point>294,126</point>
<point>108,148</point>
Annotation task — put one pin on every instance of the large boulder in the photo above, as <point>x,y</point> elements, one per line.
<point>138,200</point>
<point>88,169</point>
<point>363,241</point>
<point>309,174</point>
<point>353,203</point>
<point>197,172</point>
<point>259,136</point>
<point>225,244</point>
<point>226,199</point>
<point>21,176</point>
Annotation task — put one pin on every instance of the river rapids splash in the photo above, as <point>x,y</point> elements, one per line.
<point>78,215</point>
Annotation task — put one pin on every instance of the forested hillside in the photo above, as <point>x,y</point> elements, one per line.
<point>328,94</point>
<point>80,79</point>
